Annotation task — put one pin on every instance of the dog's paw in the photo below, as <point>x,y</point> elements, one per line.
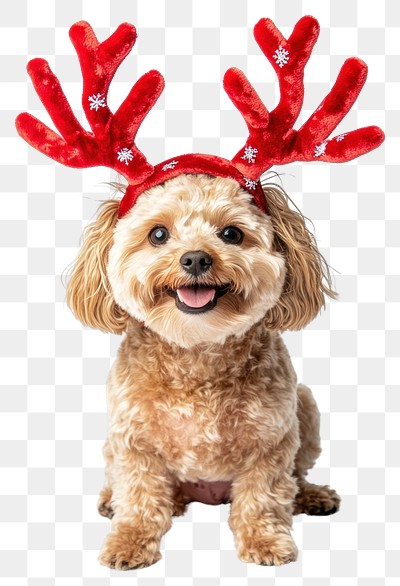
<point>313,499</point>
<point>271,549</point>
<point>122,553</point>
<point>104,503</point>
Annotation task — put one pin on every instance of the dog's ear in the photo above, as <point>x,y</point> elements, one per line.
<point>89,293</point>
<point>308,278</point>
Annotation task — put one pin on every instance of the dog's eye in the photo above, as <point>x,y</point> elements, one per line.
<point>159,235</point>
<point>231,235</point>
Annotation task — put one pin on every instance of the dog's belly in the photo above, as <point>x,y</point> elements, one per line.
<point>209,493</point>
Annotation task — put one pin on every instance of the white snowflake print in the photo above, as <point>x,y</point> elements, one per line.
<point>125,155</point>
<point>250,184</point>
<point>250,154</point>
<point>97,101</point>
<point>281,57</point>
<point>340,137</point>
<point>320,149</point>
<point>170,165</point>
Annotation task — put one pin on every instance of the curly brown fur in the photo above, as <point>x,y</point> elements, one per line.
<point>311,499</point>
<point>308,278</point>
<point>204,403</point>
<point>88,291</point>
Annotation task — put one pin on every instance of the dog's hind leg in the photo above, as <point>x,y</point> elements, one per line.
<point>311,499</point>
<point>104,503</point>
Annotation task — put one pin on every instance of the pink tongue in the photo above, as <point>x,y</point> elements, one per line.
<point>196,297</point>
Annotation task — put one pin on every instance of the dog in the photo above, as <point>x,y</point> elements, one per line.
<point>201,265</point>
<point>203,400</point>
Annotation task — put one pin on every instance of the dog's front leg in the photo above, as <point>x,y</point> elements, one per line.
<point>261,514</point>
<point>142,502</point>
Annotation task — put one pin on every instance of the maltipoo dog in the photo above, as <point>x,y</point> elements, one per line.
<point>203,400</point>
<point>201,266</point>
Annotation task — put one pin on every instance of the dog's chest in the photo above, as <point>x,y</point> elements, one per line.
<point>203,414</point>
<point>204,429</point>
<point>183,425</point>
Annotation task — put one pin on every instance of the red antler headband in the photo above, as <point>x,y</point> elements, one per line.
<point>271,141</point>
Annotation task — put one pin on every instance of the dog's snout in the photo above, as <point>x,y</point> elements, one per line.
<point>196,262</point>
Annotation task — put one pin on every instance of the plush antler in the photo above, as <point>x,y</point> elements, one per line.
<point>111,142</point>
<point>272,139</point>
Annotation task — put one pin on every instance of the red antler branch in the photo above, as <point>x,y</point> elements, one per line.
<point>272,139</point>
<point>111,142</point>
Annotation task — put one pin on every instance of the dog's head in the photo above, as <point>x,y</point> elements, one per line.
<point>196,261</point>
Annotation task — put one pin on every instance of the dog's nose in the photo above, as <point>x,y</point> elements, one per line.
<point>196,262</point>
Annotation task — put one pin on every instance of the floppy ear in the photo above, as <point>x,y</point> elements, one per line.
<point>308,278</point>
<point>89,293</point>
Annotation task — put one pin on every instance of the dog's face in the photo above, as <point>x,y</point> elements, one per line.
<point>194,261</point>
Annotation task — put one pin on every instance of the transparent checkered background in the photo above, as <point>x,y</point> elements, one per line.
<point>52,371</point>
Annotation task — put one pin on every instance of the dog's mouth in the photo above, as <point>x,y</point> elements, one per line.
<point>197,298</point>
